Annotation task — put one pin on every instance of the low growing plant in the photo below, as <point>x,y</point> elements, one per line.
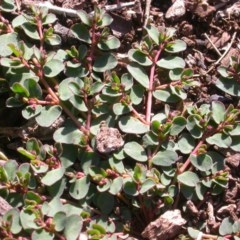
<point>64,187</point>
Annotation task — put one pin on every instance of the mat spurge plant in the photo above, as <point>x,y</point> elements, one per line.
<point>113,145</point>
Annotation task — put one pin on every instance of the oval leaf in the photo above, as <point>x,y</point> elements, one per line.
<point>188,178</point>
<point>135,151</point>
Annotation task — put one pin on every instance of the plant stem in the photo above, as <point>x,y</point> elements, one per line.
<point>194,152</point>
<point>151,80</point>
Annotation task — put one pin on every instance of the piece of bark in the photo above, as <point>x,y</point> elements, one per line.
<point>165,227</point>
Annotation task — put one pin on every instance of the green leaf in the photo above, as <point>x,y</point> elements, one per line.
<point>10,168</point>
<point>135,151</point>
<point>116,186</point>
<point>28,220</point>
<point>171,62</point>
<point>42,234</point>
<point>130,188</point>
<point>79,188</point>
<point>105,19</point>
<point>186,143</point>
<point>226,226</point>
<point>228,85</point>
<point>218,111</point>
<point>137,94</point>
<point>165,158</point>
<point>178,124</point>
<point>153,33</point>
<point>59,220</point>
<point>48,115</point>
<point>235,145</point>
<point>20,89</point>
<point>30,30</point>
<point>132,125</point>
<point>7,6</point>
<point>15,225</point>
<point>175,46</point>
<point>53,176</point>
<point>139,57</point>
<point>73,227</point>
<point>53,40</point>
<point>105,62</point>
<point>29,112</point>
<point>188,178</point>
<point>6,39</point>
<point>193,233</point>
<point>166,95</point>
<point>139,74</point>
<point>50,18</point>
<point>84,17</point>
<point>110,43</point>
<point>68,134</point>
<point>220,139</point>
<point>105,202</point>
<point>120,109</point>
<point>81,32</point>
<point>147,185</point>
<point>53,67</point>
<point>202,162</point>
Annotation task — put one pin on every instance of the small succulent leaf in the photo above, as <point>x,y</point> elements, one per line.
<point>220,139</point>
<point>132,125</point>
<point>117,164</point>
<point>178,92</point>
<point>135,151</point>
<point>235,145</point>
<point>153,33</point>
<point>228,85</point>
<point>100,228</point>
<point>175,74</point>
<point>120,109</point>
<point>81,32</point>
<point>53,176</point>
<point>20,89</point>
<point>84,17</point>
<point>15,225</point>
<point>166,96</point>
<point>18,21</point>
<point>200,191</point>
<point>106,20</point>
<point>188,178</point>
<point>202,162</point>
<point>78,103</point>
<point>139,74</point>
<point>137,94</point>
<point>186,143</point>
<point>73,227</point>
<point>171,62</point>
<point>127,81</point>
<point>236,227</point>
<point>105,202</point>
<point>30,112</point>
<point>53,67</point>
<point>116,186</point>
<point>109,44</point>
<point>218,111</point>
<point>178,125</point>
<point>165,158</point>
<point>28,220</point>
<point>105,62</point>
<point>42,234</point>
<point>140,57</point>
<point>130,188</point>
<point>79,189</point>
<point>59,221</point>
<point>34,89</point>
<point>10,168</point>
<point>64,90</point>
<point>175,46</point>
<point>50,18</point>
<point>53,40</point>
<point>223,71</point>
<point>48,115</point>
<point>30,30</point>
<point>193,233</point>
<point>5,39</point>
<point>26,153</point>
<point>235,131</point>
<point>7,6</point>
<point>147,185</point>
<point>226,226</point>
